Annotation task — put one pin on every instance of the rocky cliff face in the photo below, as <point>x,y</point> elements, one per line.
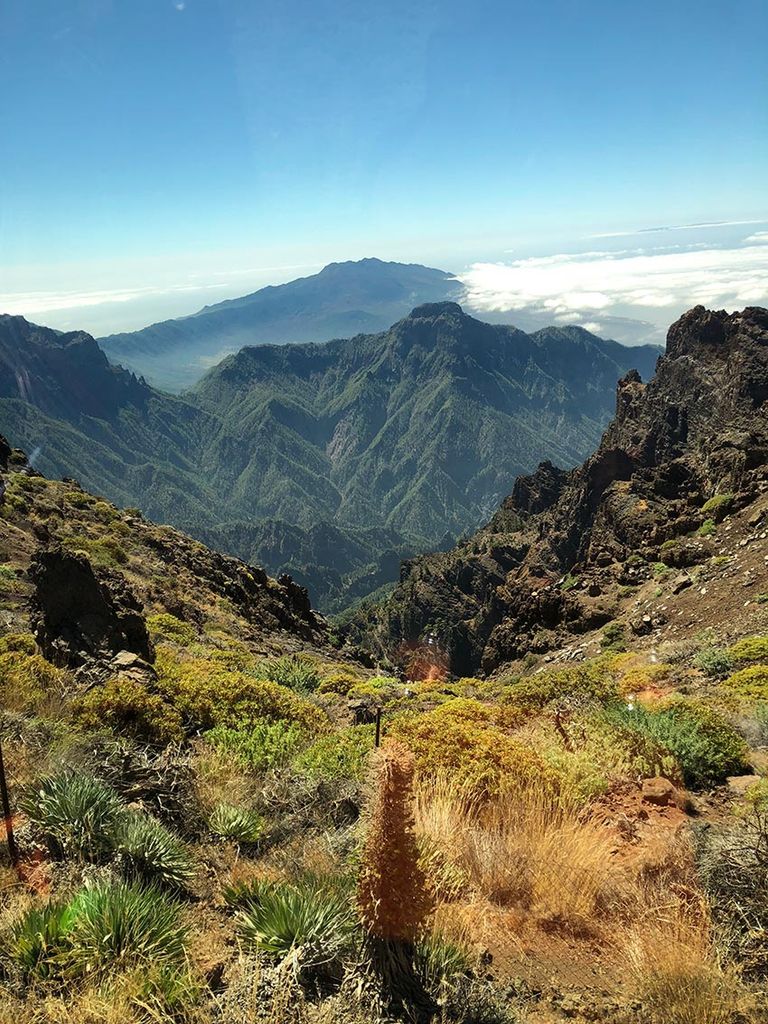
<point>684,448</point>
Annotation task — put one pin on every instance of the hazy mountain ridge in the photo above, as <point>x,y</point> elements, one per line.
<point>341,300</point>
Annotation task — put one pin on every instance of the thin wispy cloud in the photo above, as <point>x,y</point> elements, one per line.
<point>34,303</point>
<point>576,287</point>
<point>676,227</point>
<point>31,303</point>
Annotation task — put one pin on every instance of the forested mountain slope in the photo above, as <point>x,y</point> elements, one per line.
<point>330,461</point>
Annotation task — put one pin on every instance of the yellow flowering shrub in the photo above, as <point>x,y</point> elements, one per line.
<point>208,694</point>
<point>461,740</point>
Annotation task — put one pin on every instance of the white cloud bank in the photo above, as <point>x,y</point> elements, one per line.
<point>583,286</point>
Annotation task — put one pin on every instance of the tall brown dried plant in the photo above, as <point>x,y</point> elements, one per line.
<point>393,896</point>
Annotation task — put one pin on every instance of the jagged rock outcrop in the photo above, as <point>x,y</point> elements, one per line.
<point>544,564</point>
<point>80,614</point>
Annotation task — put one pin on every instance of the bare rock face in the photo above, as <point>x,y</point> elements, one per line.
<point>659,791</point>
<point>80,616</point>
<point>696,430</point>
<point>5,453</point>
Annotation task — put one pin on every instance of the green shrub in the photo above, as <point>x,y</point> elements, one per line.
<point>315,927</point>
<point>704,744</point>
<point>105,512</point>
<point>150,852</point>
<point>76,814</point>
<point>208,693</point>
<point>750,682</point>
<point>606,752</point>
<point>39,942</point>
<point>102,551</point>
<point>718,506</point>
<point>118,925</point>
<point>236,824</point>
<point>18,643</point>
<point>588,683</point>
<point>78,499</point>
<point>340,755</point>
<point>707,528</point>
<point>164,626</point>
<point>613,638</point>
<point>340,680</point>
<point>713,662</point>
<point>749,650</point>
<point>264,745</point>
<point>476,755</point>
<point>27,680</point>
<point>128,707</point>
<point>292,671</point>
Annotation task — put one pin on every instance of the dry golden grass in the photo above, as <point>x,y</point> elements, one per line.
<point>219,778</point>
<point>676,975</point>
<point>525,850</point>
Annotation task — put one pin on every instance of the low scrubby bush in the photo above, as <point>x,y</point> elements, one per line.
<point>340,681</point>
<point>749,651</point>
<point>714,662</point>
<point>718,506</point>
<point>705,745</point>
<point>208,693</point>
<point>591,682</point>
<point>340,755</point>
<point>27,680</point>
<point>613,638</point>
<point>707,528</point>
<point>750,682</point>
<point>127,706</point>
<point>260,747</point>
<point>478,756</point>
<point>164,626</point>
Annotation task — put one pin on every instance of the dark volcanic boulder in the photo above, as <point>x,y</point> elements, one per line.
<point>79,616</point>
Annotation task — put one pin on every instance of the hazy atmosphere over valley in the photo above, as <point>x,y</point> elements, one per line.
<point>383,512</point>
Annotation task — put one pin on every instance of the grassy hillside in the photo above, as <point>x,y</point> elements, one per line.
<point>207,834</point>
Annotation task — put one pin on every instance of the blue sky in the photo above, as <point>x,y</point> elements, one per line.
<point>160,154</point>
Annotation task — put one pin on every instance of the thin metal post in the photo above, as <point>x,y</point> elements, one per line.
<point>378,726</point>
<point>13,849</point>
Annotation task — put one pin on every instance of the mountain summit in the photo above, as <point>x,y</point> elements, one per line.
<point>341,300</point>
